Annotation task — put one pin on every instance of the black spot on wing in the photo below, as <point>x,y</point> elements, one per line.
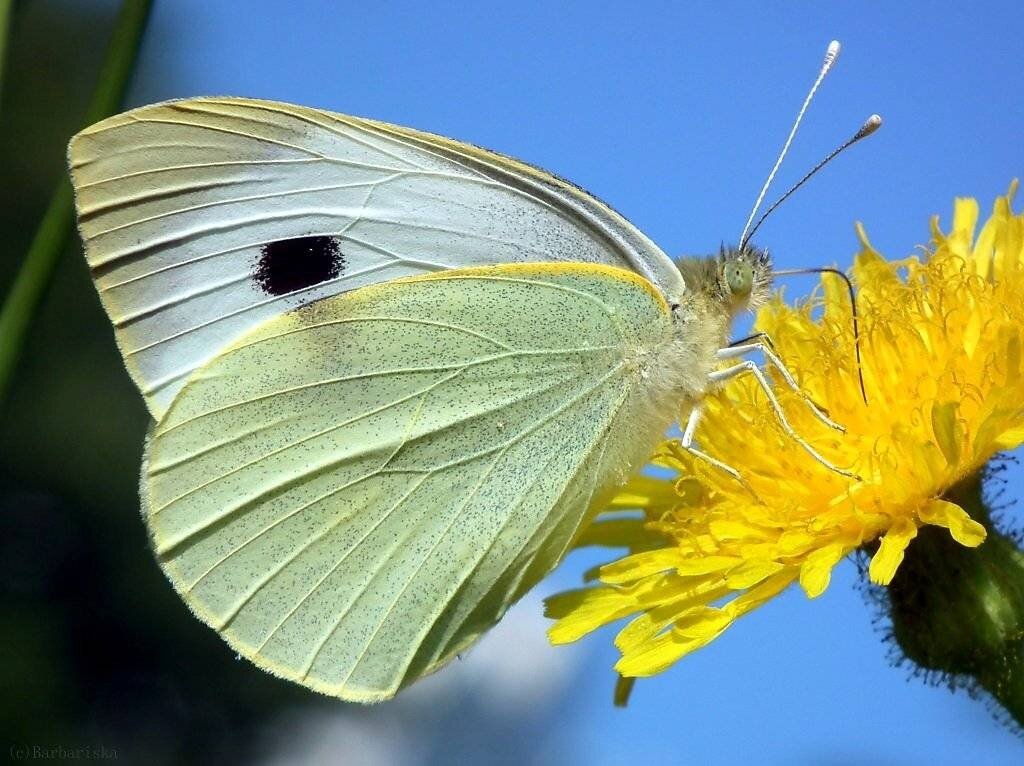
<point>293,264</point>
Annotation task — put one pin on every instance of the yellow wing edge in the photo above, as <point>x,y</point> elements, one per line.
<point>532,269</point>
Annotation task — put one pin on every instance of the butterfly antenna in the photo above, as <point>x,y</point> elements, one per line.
<point>830,58</point>
<point>853,310</point>
<point>873,123</point>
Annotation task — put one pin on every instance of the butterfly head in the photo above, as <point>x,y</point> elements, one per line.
<point>744,276</point>
<point>737,278</point>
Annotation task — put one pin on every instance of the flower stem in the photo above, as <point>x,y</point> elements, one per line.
<point>960,611</point>
<point>44,253</point>
<point>5,27</point>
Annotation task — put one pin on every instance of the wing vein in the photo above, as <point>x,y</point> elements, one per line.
<point>220,202</point>
<point>275,109</point>
<point>396,371</point>
<point>355,546</point>
<point>198,166</point>
<point>341,617</point>
<point>441,538</point>
<point>291,445</point>
<point>603,441</point>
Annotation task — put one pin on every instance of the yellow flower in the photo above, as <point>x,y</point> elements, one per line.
<point>941,339</point>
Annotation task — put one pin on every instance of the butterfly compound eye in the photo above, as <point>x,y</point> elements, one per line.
<point>739,275</point>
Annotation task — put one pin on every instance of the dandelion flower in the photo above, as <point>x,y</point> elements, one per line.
<point>941,341</point>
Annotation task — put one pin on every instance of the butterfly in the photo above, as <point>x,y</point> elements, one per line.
<point>391,375</point>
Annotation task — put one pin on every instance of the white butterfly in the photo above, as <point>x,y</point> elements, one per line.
<point>391,375</point>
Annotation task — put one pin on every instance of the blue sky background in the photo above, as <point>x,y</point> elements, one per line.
<point>673,113</point>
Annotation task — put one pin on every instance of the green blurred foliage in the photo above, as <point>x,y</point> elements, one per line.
<point>99,650</point>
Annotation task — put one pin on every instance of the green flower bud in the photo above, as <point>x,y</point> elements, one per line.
<point>959,612</point>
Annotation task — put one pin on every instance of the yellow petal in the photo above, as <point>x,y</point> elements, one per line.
<point>947,431</point>
<point>962,527</point>
<point>639,631</point>
<point>1010,438</point>
<point>987,244</point>
<point>793,542</point>
<point>706,564</point>
<point>679,591</point>
<point>865,243</point>
<point>1009,339</point>
<point>965,219</point>
<point>643,492</point>
<point>870,268</point>
<point>640,565</point>
<point>656,655</point>
<point>890,552</point>
<point>816,571</point>
<point>734,529</point>
<point>836,298</point>
<point>580,611</point>
<point>972,333</point>
<point>645,652</point>
<point>938,236</point>
<point>762,592</point>
<point>750,573</point>
<point>703,622</point>
<point>614,533</point>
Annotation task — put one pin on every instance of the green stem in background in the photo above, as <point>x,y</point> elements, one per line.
<point>5,26</point>
<point>44,253</point>
<point>959,612</point>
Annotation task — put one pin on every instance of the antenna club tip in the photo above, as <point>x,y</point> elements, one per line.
<point>832,53</point>
<point>873,123</point>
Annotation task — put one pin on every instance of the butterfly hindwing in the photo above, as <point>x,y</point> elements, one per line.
<point>203,218</point>
<point>355,490</point>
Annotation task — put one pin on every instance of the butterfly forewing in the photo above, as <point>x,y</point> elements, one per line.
<point>204,218</point>
<point>357,489</point>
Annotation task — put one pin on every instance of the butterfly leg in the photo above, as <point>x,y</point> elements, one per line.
<point>762,343</point>
<point>687,444</point>
<point>748,366</point>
